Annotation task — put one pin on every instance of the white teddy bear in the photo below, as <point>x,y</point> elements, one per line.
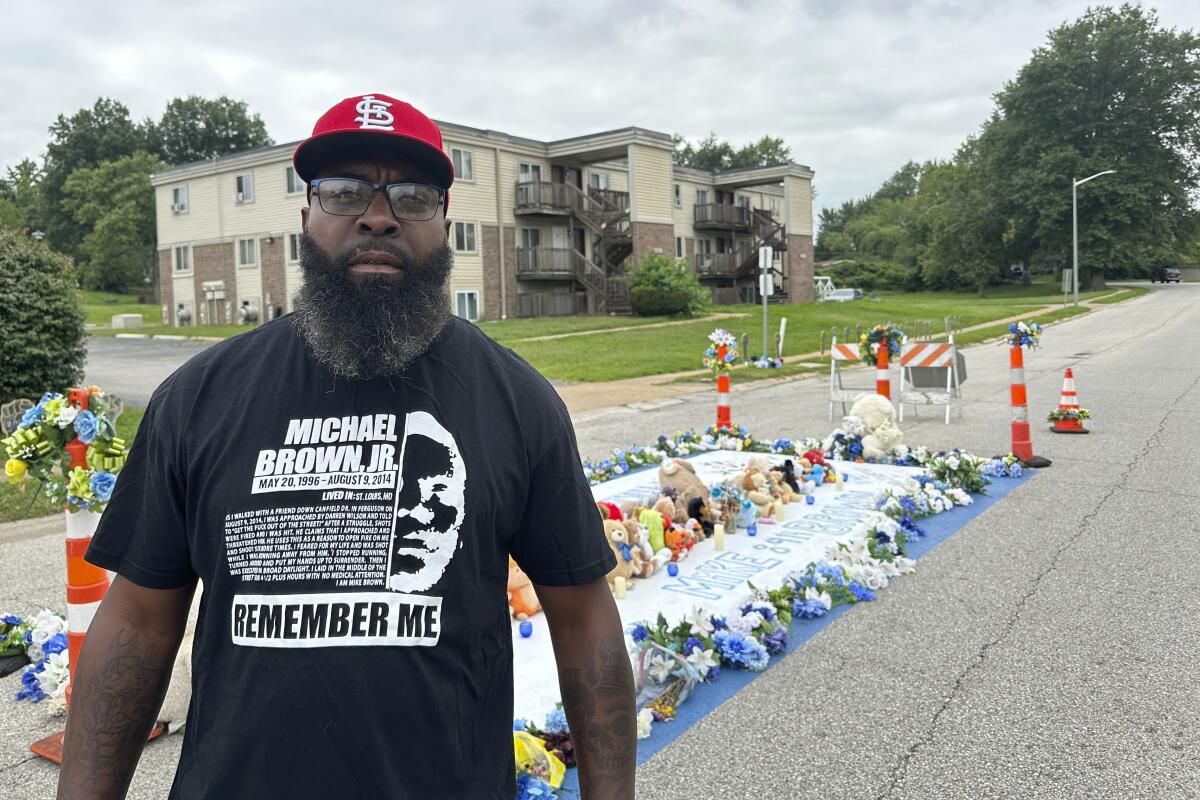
<point>879,420</point>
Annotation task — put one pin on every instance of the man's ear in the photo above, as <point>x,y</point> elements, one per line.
<point>447,230</point>
<point>304,218</point>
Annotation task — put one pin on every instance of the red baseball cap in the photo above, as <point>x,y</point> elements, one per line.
<point>375,120</point>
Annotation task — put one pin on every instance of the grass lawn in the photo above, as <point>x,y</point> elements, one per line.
<point>1124,294</point>
<point>214,331</point>
<point>15,506</point>
<point>100,307</point>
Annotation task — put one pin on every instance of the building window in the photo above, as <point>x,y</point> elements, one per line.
<point>467,305</point>
<point>679,247</point>
<point>743,201</point>
<point>179,202</point>
<point>247,252</point>
<point>598,180</point>
<point>243,188</point>
<point>183,258</point>
<point>531,237</point>
<point>464,164</point>
<point>293,247</point>
<point>703,247</point>
<point>529,173</point>
<point>776,207</point>
<point>464,237</point>
<point>701,197</point>
<point>678,196</point>
<point>294,184</point>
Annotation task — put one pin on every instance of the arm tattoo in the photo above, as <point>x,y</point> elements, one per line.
<point>598,696</point>
<point>116,709</point>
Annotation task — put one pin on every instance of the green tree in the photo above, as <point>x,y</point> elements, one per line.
<point>42,323</point>
<point>11,216</point>
<point>87,138</point>
<point>114,203</point>
<point>662,285</point>
<point>196,128</point>
<point>965,233</point>
<point>713,154</point>
<point>21,187</point>
<point>1111,90</point>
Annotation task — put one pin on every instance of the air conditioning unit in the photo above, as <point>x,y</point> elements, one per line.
<point>177,207</point>
<point>240,197</point>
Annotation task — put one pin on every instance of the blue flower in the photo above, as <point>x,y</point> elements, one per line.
<point>86,426</point>
<point>531,788</point>
<point>718,623</point>
<point>102,484</point>
<point>691,644</point>
<point>31,417</point>
<point>1015,471</point>
<point>520,724</point>
<point>55,644</point>
<point>740,651</point>
<point>556,721</point>
<point>766,610</point>
<point>776,641</point>
<point>861,593</point>
<point>808,609</point>
<point>10,619</point>
<point>854,448</point>
<point>640,633</point>
<point>713,674</point>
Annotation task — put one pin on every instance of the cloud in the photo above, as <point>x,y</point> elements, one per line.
<point>856,89</point>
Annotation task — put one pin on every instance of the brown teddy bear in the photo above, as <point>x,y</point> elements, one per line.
<point>629,558</point>
<point>678,479</point>
<point>757,487</point>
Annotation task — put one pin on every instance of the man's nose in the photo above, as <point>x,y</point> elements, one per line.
<point>378,219</point>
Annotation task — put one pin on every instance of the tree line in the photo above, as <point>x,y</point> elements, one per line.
<point>90,194</point>
<point>1112,90</point>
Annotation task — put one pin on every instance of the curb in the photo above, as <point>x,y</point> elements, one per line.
<point>168,337</point>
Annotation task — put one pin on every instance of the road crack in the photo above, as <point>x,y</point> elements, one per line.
<point>900,770</point>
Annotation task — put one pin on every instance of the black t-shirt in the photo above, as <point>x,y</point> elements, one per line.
<point>353,639</point>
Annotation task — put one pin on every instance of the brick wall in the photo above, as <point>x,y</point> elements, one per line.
<point>214,262</point>
<point>274,281</point>
<point>489,248</point>
<point>510,270</point>
<point>166,286</point>
<point>800,269</point>
<point>650,235</point>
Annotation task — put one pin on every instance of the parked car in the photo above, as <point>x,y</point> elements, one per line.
<point>1165,275</point>
<point>842,296</point>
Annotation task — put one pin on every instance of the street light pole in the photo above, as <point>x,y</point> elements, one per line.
<point>1075,228</point>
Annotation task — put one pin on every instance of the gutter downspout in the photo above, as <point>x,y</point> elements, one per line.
<point>500,234</point>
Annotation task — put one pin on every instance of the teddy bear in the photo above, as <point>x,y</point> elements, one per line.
<point>679,481</point>
<point>680,540</point>
<point>879,419</point>
<point>629,559</point>
<point>758,490</point>
<point>699,511</point>
<point>652,562</point>
<point>522,599</point>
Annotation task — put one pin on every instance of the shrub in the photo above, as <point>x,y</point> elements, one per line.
<point>670,276</point>
<point>41,319</point>
<point>650,302</point>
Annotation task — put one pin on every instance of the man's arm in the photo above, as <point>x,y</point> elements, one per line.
<point>118,687</point>
<point>596,681</point>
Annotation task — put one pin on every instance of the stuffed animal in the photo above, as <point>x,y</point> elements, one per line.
<point>652,520</point>
<point>699,511</point>
<point>788,473</point>
<point>522,599</point>
<point>758,491</point>
<point>746,514</point>
<point>669,509</point>
<point>879,418</point>
<point>681,541</point>
<point>652,562</point>
<point>629,560</point>
<point>679,476</point>
<point>609,511</point>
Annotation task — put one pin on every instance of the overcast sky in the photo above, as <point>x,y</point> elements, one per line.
<point>855,88</point>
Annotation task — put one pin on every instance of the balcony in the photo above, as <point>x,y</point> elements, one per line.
<point>719,216</point>
<point>546,197</point>
<point>719,265</point>
<point>546,263</point>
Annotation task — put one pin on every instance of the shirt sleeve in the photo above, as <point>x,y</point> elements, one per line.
<point>142,534</point>
<point>561,538</point>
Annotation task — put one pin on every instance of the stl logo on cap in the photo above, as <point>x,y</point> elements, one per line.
<point>373,114</point>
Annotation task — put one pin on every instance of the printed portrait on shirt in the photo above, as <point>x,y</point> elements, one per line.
<point>430,502</point>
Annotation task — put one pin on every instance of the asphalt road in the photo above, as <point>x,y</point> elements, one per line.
<point>133,368</point>
<point>1043,651</point>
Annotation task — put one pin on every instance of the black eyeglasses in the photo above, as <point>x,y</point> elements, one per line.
<point>350,197</point>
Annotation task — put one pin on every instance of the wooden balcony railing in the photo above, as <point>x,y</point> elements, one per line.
<point>720,215</point>
<point>719,265</point>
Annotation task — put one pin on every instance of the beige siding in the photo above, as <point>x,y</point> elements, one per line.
<point>509,166</point>
<point>650,199</point>
<point>798,205</point>
<point>272,211</point>
<point>685,214</point>
<point>475,200</point>
<point>199,223</point>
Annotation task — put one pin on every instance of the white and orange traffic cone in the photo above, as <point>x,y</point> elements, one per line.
<point>1022,447</point>
<point>1069,401</point>
<point>883,384</point>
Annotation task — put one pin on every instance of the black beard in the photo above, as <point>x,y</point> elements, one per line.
<point>371,325</point>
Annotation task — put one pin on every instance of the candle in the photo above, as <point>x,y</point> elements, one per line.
<point>752,529</point>
<point>526,629</point>
<point>619,587</point>
<point>838,482</point>
<point>672,569</point>
<point>810,499</point>
<point>719,535</point>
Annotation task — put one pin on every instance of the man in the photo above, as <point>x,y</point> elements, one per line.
<point>348,482</point>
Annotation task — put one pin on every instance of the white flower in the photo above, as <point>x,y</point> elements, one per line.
<point>952,462</point>
<point>702,660</point>
<point>66,416</point>
<point>56,672</point>
<point>35,653</point>
<point>700,622</point>
<point>47,619</point>
<point>812,594</point>
<point>645,720</point>
<point>906,566</point>
<point>660,668</point>
<point>58,701</point>
<point>748,622</point>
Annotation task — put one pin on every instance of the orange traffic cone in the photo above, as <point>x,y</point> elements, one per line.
<point>1067,403</point>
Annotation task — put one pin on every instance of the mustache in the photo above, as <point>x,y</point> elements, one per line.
<point>405,258</point>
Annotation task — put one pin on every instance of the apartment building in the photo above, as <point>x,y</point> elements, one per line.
<point>538,228</point>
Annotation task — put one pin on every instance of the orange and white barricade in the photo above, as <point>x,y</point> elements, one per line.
<point>839,393</point>
<point>929,356</point>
